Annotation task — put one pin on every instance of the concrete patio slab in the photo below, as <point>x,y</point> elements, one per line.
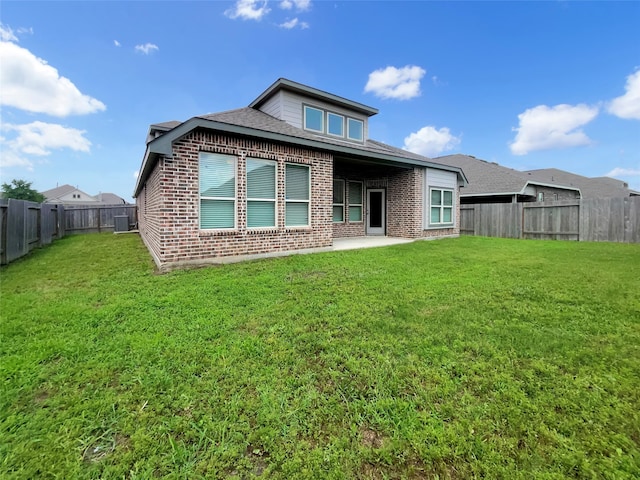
<point>352,243</point>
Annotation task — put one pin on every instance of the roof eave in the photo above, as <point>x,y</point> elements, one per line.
<point>284,84</point>
<point>163,146</point>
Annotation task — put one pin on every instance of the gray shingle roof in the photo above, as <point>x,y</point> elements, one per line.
<point>55,193</point>
<point>251,118</point>
<point>488,178</point>
<point>597,187</point>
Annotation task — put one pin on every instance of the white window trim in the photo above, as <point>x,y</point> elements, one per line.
<point>349,130</point>
<point>361,204</point>
<point>342,117</point>
<point>234,198</point>
<point>344,194</point>
<point>275,198</point>
<point>442,206</point>
<point>304,119</point>
<point>308,202</point>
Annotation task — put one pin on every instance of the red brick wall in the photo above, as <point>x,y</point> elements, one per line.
<point>169,203</point>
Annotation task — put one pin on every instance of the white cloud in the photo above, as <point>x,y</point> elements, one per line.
<point>147,48</point>
<point>30,84</point>
<point>294,23</point>
<point>628,105</point>
<point>623,172</point>
<point>248,10</point>
<point>136,173</point>
<point>39,139</point>
<point>116,43</point>
<point>430,142</point>
<point>544,128</point>
<point>391,82</point>
<point>300,5</point>
<point>6,34</point>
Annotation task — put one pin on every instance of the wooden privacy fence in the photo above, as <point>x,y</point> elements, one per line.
<point>594,219</point>
<point>28,225</point>
<point>97,219</point>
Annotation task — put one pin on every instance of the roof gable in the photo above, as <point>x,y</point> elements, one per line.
<point>312,93</point>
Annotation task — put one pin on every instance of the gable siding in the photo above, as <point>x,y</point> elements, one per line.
<point>273,106</point>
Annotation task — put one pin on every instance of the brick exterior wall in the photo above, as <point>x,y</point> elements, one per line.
<point>169,203</point>
<point>404,201</point>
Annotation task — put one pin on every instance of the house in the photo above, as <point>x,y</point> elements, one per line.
<point>290,172</point>
<point>595,187</point>
<point>72,196</point>
<point>493,183</point>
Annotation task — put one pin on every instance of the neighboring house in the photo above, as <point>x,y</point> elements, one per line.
<point>493,183</point>
<point>69,195</point>
<point>597,187</point>
<point>293,170</point>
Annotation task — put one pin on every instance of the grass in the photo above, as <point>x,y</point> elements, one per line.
<point>460,358</point>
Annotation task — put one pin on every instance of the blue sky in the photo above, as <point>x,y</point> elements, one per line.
<point>526,84</point>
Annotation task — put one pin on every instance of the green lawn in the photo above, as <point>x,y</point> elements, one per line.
<point>459,358</point>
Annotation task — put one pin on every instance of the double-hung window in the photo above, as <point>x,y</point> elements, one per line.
<point>338,201</point>
<point>217,191</point>
<point>297,195</point>
<point>441,206</point>
<point>355,201</point>
<point>261,193</point>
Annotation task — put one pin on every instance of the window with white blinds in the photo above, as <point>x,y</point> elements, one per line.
<point>217,181</point>
<point>261,193</point>
<point>297,195</point>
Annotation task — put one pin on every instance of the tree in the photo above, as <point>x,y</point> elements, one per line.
<point>21,190</point>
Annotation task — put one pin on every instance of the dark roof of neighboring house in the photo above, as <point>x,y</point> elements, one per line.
<point>310,92</point>
<point>597,187</point>
<point>254,123</point>
<point>489,178</point>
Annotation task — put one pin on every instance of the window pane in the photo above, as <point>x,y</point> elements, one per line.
<point>296,214</point>
<point>338,191</point>
<point>217,213</point>
<point>355,193</point>
<point>313,119</point>
<point>261,214</point>
<point>335,124</point>
<point>435,214</point>
<point>261,179</point>
<point>297,182</point>
<point>436,197</point>
<point>448,197</point>
<point>447,215</point>
<point>217,175</point>
<point>338,214</point>
<point>355,129</point>
<point>355,214</point>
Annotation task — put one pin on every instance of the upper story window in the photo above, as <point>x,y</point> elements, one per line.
<point>333,124</point>
<point>313,119</point>
<point>355,129</point>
